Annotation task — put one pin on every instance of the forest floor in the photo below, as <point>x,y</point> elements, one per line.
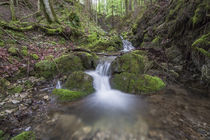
<point>173,113</point>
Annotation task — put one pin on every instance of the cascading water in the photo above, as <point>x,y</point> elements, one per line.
<point>127,46</point>
<point>107,111</point>
<point>104,92</point>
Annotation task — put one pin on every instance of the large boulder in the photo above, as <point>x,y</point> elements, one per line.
<point>65,64</point>
<point>80,81</point>
<point>89,60</point>
<point>136,84</point>
<point>133,62</point>
<point>69,63</point>
<point>45,68</point>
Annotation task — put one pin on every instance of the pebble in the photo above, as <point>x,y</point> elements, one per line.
<point>15,101</point>
<point>46,97</point>
<point>9,111</point>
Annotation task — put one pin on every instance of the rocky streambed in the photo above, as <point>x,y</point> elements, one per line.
<point>155,112</point>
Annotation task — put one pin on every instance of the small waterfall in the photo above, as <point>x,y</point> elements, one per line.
<point>127,46</point>
<point>101,75</point>
<point>58,85</point>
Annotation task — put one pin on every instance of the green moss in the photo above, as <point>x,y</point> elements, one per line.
<point>204,52</point>
<point>156,40</point>
<point>69,63</point>
<point>174,11</point>
<point>24,52</point>
<point>132,62</point>
<point>89,60</point>
<point>204,40</point>
<point>80,81</point>
<point>34,56</point>
<point>45,68</point>
<point>1,133</point>
<point>202,44</point>
<point>200,13</point>
<point>16,89</point>
<point>136,84</point>
<point>27,135</point>
<point>68,95</point>
<point>2,43</point>
<point>13,50</point>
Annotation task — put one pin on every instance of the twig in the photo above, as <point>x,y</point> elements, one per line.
<point>29,15</point>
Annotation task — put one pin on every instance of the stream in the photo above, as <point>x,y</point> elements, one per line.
<point>110,114</point>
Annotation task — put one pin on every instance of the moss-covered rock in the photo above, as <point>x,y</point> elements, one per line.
<point>102,44</point>
<point>65,64</point>
<point>45,68</point>
<point>27,135</point>
<point>80,81</point>
<point>69,63</point>
<point>68,95</point>
<point>13,50</point>
<point>133,62</point>
<point>136,84</point>
<point>89,60</point>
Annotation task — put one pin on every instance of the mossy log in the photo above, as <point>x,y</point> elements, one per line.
<point>50,31</point>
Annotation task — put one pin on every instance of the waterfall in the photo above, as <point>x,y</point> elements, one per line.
<point>127,46</point>
<point>58,85</point>
<point>101,75</point>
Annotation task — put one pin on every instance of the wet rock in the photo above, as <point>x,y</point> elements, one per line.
<point>64,64</point>
<point>89,60</point>
<point>15,101</point>
<point>136,84</point>
<point>80,81</point>
<point>133,62</point>
<point>174,54</point>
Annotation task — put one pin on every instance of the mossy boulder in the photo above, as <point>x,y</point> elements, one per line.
<point>89,60</point>
<point>133,62</point>
<point>27,135</point>
<point>136,84</point>
<point>65,64</point>
<point>68,95</point>
<point>80,81</point>
<point>103,44</point>
<point>45,68</point>
<point>69,63</point>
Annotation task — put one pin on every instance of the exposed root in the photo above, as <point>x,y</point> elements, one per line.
<point>35,26</point>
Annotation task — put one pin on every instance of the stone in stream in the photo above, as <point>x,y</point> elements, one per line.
<point>80,81</point>
<point>65,64</point>
<point>132,62</point>
<point>136,84</point>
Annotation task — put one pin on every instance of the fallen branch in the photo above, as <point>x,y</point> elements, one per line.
<point>4,3</point>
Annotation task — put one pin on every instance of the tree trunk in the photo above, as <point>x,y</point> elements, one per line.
<point>130,5</point>
<point>126,7</point>
<point>12,9</point>
<point>47,8</point>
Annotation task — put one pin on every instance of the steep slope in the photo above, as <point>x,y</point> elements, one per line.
<point>179,30</point>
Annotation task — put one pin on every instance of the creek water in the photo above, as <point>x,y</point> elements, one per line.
<point>105,114</point>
